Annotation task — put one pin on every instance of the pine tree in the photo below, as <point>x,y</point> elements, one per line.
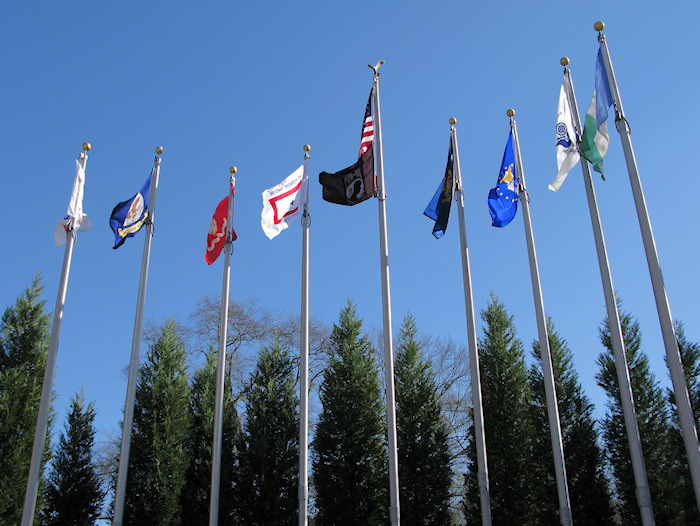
<point>158,459</point>
<point>74,491</point>
<point>690,357</point>
<point>196,493</point>
<point>653,421</point>
<point>350,460</point>
<point>269,450</point>
<point>507,425</point>
<point>425,475</point>
<point>589,495</point>
<point>24,342</point>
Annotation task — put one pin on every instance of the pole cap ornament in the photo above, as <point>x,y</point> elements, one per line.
<point>307,147</point>
<point>510,112</point>
<point>159,150</point>
<point>599,26</point>
<point>453,121</point>
<point>86,146</point>
<point>233,170</point>
<point>564,61</point>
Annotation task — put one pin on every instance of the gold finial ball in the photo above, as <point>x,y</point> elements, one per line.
<point>599,26</point>
<point>564,61</point>
<point>86,146</point>
<point>453,121</point>
<point>159,150</point>
<point>510,112</point>
<point>307,147</point>
<point>233,170</point>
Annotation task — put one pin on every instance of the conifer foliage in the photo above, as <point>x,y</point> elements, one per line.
<point>74,491</point>
<point>425,476</point>
<point>507,424</point>
<point>269,450</point>
<point>158,459</point>
<point>585,465</point>
<point>349,466</point>
<point>24,342</point>
<point>196,493</point>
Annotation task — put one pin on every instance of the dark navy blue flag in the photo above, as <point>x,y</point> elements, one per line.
<point>503,200</point>
<point>439,207</point>
<point>128,217</point>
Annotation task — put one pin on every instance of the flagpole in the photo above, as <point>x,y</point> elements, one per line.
<point>304,359</point>
<point>478,409</point>
<point>120,491</point>
<point>394,511</point>
<point>618,343</point>
<point>545,354</point>
<point>673,358</point>
<point>221,367</point>
<point>42,420</point>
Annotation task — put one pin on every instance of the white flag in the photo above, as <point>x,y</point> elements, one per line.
<point>74,215</point>
<point>567,154</point>
<point>282,204</point>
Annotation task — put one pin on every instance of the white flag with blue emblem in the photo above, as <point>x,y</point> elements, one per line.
<point>567,154</point>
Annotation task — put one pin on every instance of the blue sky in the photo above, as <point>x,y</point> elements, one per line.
<point>248,84</point>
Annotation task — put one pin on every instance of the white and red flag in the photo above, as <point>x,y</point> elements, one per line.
<point>367,127</point>
<point>74,219</point>
<point>284,203</point>
<point>216,239</point>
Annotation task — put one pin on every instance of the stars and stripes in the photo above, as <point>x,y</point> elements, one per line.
<point>367,127</point>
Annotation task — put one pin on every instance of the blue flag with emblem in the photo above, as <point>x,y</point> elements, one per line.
<point>503,200</point>
<point>128,217</point>
<point>439,207</point>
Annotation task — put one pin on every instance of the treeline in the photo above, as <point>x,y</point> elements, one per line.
<point>169,472</point>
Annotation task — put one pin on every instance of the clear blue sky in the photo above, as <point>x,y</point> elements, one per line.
<point>247,84</point>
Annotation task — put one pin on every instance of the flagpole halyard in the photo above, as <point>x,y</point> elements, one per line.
<point>125,448</point>
<point>221,365</point>
<point>673,359</point>
<point>392,449</point>
<point>42,421</point>
<point>477,405</point>
<point>304,355</point>
<point>545,353</point>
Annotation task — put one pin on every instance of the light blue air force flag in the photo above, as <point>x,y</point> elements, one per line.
<point>503,200</point>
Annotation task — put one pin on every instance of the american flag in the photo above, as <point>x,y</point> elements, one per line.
<point>367,127</point>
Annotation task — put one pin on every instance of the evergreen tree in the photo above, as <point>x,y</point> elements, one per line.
<point>350,460</point>
<point>74,492</point>
<point>652,419</point>
<point>24,342</point>
<point>425,475</point>
<point>158,459</point>
<point>589,494</point>
<point>507,425</point>
<point>269,450</point>
<point>690,357</point>
<point>196,493</point>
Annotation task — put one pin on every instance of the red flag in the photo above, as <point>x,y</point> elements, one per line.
<point>216,239</point>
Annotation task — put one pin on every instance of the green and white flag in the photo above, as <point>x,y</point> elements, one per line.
<point>594,144</point>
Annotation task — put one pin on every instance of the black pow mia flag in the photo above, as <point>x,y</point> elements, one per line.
<point>352,185</point>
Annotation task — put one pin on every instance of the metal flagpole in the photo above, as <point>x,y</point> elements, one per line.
<point>618,343</point>
<point>478,410</point>
<point>304,359</point>
<point>673,358</point>
<point>545,354</point>
<point>42,420</point>
<point>220,371</point>
<point>120,491</point>
<point>394,513</point>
